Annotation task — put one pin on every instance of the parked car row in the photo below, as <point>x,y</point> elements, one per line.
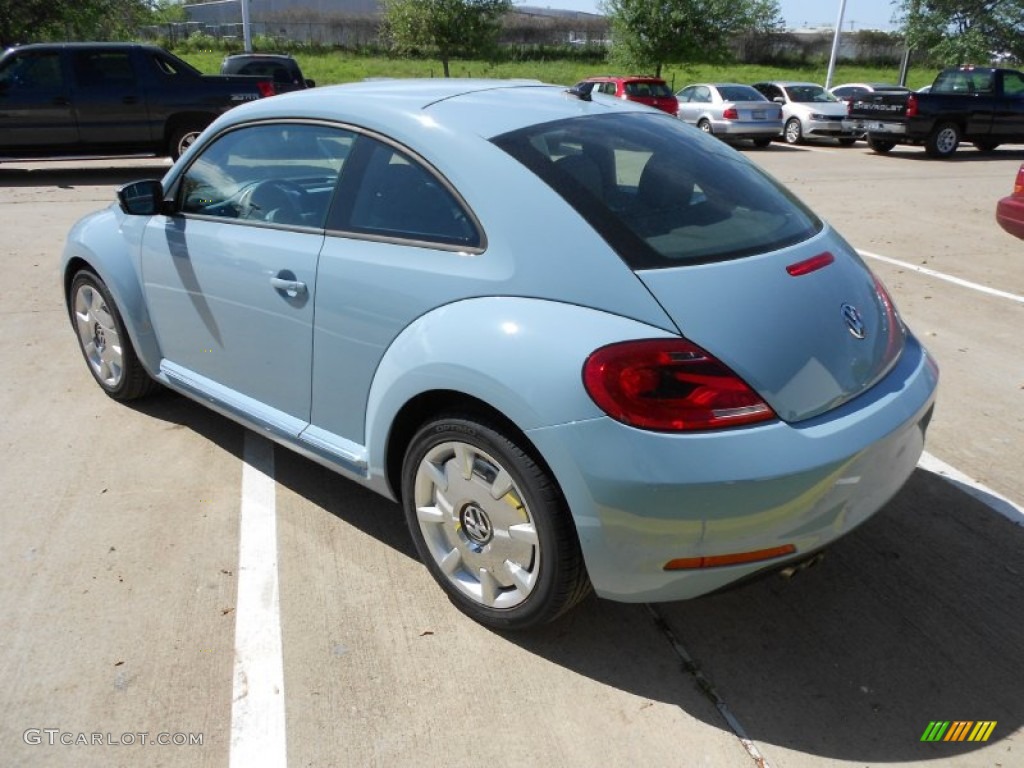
<point>793,111</point>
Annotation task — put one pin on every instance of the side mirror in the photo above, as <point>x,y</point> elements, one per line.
<point>779,100</point>
<point>141,198</point>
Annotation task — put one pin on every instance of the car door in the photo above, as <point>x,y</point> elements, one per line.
<point>1008,121</point>
<point>110,104</point>
<point>687,111</point>
<point>35,103</point>
<point>230,275</point>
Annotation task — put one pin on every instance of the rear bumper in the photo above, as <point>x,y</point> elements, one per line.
<point>641,499</point>
<point>746,129</point>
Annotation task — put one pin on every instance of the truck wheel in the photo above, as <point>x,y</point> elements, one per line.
<point>943,141</point>
<point>793,133</point>
<point>181,139</point>
<point>881,146</point>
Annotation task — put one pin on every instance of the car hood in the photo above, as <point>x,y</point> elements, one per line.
<point>806,342</point>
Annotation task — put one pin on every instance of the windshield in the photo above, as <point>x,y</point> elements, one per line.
<point>807,94</point>
<point>661,194</point>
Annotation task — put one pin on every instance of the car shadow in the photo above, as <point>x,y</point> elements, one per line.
<point>914,617</point>
<point>965,154</point>
<point>90,173</point>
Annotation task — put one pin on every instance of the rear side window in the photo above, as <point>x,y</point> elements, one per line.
<point>648,90</point>
<point>659,193</point>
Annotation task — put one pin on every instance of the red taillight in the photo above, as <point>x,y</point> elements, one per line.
<point>911,105</point>
<point>670,385</point>
<point>731,114</point>
<point>812,264</point>
<point>1018,185</point>
<point>266,88</point>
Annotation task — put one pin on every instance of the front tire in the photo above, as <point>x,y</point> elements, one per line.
<point>490,524</point>
<point>104,342</point>
<point>943,141</point>
<point>794,132</point>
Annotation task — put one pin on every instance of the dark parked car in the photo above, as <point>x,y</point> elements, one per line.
<point>97,99</point>
<point>280,67</point>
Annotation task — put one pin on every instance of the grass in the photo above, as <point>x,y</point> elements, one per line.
<point>342,67</point>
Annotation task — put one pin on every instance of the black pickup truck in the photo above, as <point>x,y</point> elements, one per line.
<point>93,99</point>
<point>983,105</point>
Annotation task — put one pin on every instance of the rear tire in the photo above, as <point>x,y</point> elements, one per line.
<point>705,126</point>
<point>104,342</point>
<point>943,141</point>
<point>181,139</point>
<point>881,146</point>
<point>490,524</point>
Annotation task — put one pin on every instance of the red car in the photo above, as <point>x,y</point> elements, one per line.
<point>1010,210</point>
<point>652,91</point>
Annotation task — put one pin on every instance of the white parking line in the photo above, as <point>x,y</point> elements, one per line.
<point>257,703</point>
<point>994,501</point>
<point>941,276</point>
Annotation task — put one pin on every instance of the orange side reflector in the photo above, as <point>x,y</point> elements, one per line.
<point>737,558</point>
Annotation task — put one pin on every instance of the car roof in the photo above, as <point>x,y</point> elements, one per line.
<point>624,78</point>
<point>788,83</point>
<point>404,108</point>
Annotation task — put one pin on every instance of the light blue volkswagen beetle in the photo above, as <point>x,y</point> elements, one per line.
<point>580,342</point>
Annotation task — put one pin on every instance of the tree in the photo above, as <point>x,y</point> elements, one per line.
<point>452,27</point>
<point>28,21</point>
<point>647,34</point>
<point>964,31</point>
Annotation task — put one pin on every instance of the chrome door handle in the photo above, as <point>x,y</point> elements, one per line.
<point>291,288</point>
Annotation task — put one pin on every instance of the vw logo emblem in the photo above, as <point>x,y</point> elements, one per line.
<point>476,524</point>
<point>854,322</point>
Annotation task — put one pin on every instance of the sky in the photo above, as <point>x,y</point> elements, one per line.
<point>860,14</point>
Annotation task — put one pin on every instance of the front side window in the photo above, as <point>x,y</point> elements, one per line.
<point>103,69</point>
<point>32,72</point>
<point>660,194</point>
<point>282,174</point>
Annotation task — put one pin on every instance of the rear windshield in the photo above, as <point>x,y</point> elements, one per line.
<point>660,193</point>
<point>740,93</point>
<point>963,81</point>
<point>647,90</point>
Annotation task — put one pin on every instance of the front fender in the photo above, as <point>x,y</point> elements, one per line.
<point>107,242</point>
<point>523,357</point>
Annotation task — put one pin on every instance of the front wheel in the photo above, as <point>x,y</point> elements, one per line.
<point>491,525</point>
<point>943,141</point>
<point>793,132</point>
<point>104,341</point>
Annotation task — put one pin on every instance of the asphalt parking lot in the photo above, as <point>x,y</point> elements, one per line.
<point>124,597</point>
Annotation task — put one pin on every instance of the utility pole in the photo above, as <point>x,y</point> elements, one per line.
<point>246,31</point>
<point>835,45</point>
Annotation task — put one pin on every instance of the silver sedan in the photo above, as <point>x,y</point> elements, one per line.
<point>730,111</point>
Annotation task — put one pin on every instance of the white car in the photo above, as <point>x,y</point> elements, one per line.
<point>808,112</point>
